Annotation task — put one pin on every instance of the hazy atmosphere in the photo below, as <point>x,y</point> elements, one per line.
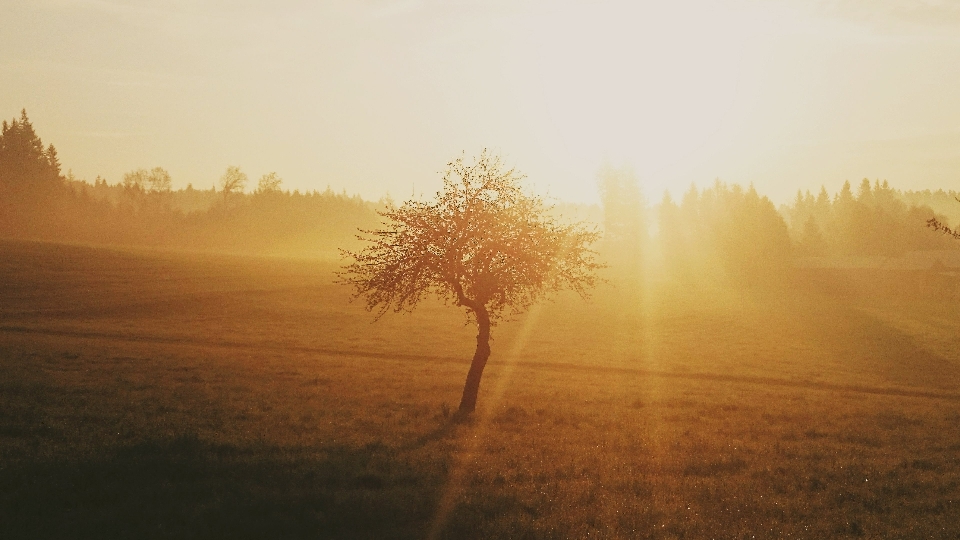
<point>477,270</point>
<point>370,96</point>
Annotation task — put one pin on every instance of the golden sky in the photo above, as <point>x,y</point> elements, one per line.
<point>375,96</point>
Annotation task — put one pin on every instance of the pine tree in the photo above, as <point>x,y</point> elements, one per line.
<point>32,189</point>
<point>27,170</point>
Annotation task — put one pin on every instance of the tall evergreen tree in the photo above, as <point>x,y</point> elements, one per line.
<point>27,170</point>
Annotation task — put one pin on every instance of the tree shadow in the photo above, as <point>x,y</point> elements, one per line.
<point>447,429</point>
<point>187,488</point>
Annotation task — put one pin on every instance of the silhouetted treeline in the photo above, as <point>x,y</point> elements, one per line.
<point>734,232</point>
<point>279,222</point>
<point>37,201</point>
<point>876,220</point>
<point>724,227</point>
<point>30,179</point>
<point>721,231</point>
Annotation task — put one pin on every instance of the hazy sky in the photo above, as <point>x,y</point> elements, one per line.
<point>376,96</point>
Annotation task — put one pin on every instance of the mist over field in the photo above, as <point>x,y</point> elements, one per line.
<point>433,270</point>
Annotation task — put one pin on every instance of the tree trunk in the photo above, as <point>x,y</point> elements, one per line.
<point>469,400</point>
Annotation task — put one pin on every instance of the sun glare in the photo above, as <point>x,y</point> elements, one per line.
<point>662,87</point>
<point>480,269</point>
<point>650,88</point>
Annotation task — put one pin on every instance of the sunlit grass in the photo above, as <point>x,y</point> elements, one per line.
<point>172,396</point>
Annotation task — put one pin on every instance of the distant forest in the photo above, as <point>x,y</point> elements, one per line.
<point>724,226</point>
<point>38,201</point>
<point>738,232</point>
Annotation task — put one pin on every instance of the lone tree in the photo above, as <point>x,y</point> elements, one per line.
<point>233,181</point>
<point>484,244</point>
<point>269,183</point>
<point>159,180</point>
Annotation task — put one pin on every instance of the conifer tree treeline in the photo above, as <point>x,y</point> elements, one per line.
<point>727,227</point>
<point>723,227</point>
<point>26,167</point>
<point>727,230</point>
<point>876,220</point>
<point>38,202</point>
<point>30,178</point>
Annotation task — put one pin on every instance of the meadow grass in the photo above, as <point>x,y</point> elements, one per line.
<point>151,394</point>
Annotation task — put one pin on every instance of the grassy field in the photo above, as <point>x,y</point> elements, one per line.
<point>152,394</point>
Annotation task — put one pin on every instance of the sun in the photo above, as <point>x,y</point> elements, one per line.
<point>651,86</point>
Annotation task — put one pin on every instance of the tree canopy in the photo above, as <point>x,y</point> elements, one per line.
<point>269,183</point>
<point>484,242</point>
<point>233,181</point>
